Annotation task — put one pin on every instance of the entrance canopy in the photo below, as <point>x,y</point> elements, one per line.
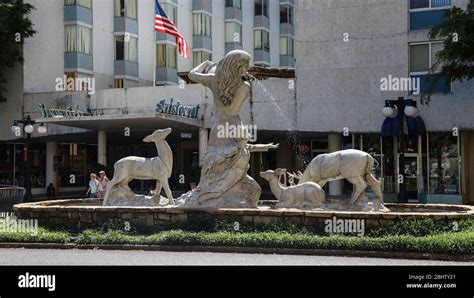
<point>111,123</point>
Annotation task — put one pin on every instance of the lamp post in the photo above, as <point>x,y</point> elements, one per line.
<point>28,128</point>
<point>402,107</point>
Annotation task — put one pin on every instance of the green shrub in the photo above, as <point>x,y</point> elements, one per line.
<point>419,228</point>
<point>40,236</point>
<point>446,243</point>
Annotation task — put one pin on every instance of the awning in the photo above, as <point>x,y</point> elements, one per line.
<point>114,122</point>
<point>415,126</point>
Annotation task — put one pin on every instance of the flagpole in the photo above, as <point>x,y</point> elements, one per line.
<point>154,60</point>
<point>154,49</point>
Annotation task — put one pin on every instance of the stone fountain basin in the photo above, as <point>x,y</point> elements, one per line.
<point>79,214</point>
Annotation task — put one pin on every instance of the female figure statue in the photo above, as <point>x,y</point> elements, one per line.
<point>224,180</point>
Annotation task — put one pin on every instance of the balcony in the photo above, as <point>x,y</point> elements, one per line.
<point>77,13</point>
<point>126,68</point>
<point>78,61</point>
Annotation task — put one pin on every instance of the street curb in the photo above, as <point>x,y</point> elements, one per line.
<point>247,250</point>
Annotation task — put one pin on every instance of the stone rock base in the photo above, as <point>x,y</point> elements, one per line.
<point>123,196</point>
<point>245,194</point>
<point>365,204</point>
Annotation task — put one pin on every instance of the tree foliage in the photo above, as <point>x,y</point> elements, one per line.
<point>457,57</point>
<point>15,27</point>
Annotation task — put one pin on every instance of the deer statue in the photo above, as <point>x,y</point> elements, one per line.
<point>133,167</point>
<point>353,165</point>
<point>300,195</point>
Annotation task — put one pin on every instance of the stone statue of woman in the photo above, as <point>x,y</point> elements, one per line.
<point>224,180</point>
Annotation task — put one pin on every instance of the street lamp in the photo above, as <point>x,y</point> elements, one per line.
<point>28,128</point>
<point>409,108</point>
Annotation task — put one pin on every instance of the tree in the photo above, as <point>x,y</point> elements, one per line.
<point>15,27</point>
<point>457,57</point>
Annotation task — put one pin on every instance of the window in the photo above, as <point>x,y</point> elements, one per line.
<point>171,11</point>
<point>78,39</point>
<point>72,160</point>
<point>286,46</point>
<point>119,48</point>
<point>126,8</point>
<point>200,57</point>
<point>84,3</point>
<point>428,4</point>
<point>233,32</point>
<point>286,14</point>
<point>126,49</point>
<point>261,8</point>
<point>443,165</point>
<point>118,83</point>
<point>166,55</point>
<point>201,24</point>
<point>262,40</point>
<point>423,57</point>
<point>233,3</point>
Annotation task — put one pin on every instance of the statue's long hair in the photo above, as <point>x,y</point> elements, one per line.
<point>229,73</point>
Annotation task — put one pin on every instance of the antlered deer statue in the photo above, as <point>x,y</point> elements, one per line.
<point>354,165</point>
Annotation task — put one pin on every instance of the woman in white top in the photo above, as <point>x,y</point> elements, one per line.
<point>93,186</point>
<point>103,180</point>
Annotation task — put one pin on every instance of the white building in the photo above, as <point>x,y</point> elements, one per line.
<point>343,51</point>
<point>114,41</point>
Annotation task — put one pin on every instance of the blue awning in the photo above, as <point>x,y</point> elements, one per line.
<point>391,126</point>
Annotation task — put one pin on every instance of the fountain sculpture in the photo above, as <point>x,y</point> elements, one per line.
<point>225,187</point>
<point>224,180</point>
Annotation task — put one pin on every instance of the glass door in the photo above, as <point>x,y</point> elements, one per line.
<point>410,170</point>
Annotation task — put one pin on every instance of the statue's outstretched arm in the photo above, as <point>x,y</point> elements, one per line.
<point>262,148</point>
<point>200,74</point>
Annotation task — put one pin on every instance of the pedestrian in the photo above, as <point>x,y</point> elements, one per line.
<point>50,191</point>
<point>103,180</point>
<point>93,186</point>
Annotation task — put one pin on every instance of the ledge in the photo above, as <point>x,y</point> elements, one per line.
<point>91,214</point>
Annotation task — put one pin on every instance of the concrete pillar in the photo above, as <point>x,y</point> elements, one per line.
<point>51,152</point>
<point>335,144</point>
<point>203,135</point>
<point>102,148</point>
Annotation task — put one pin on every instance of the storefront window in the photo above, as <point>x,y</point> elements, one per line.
<point>303,155</point>
<point>37,164</point>
<point>389,165</point>
<point>443,166</point>
<point>6,164</point>
<point>72,165</point>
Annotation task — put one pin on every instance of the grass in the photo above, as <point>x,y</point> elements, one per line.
<point>40,236</point>
<point>444,243</point>
<point>422,236</point>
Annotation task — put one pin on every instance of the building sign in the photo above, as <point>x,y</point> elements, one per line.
<point>177,108</point>
<point>68,112</point>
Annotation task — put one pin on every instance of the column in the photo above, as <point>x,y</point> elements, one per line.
<point>102,148</point>
<point>51,152</point>
<point>335,144</point>
<point>203,136</point>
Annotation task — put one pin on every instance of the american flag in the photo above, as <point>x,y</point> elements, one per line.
<point>165,25</point>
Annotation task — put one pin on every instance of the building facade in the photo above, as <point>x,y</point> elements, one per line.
<point>343,53</point>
